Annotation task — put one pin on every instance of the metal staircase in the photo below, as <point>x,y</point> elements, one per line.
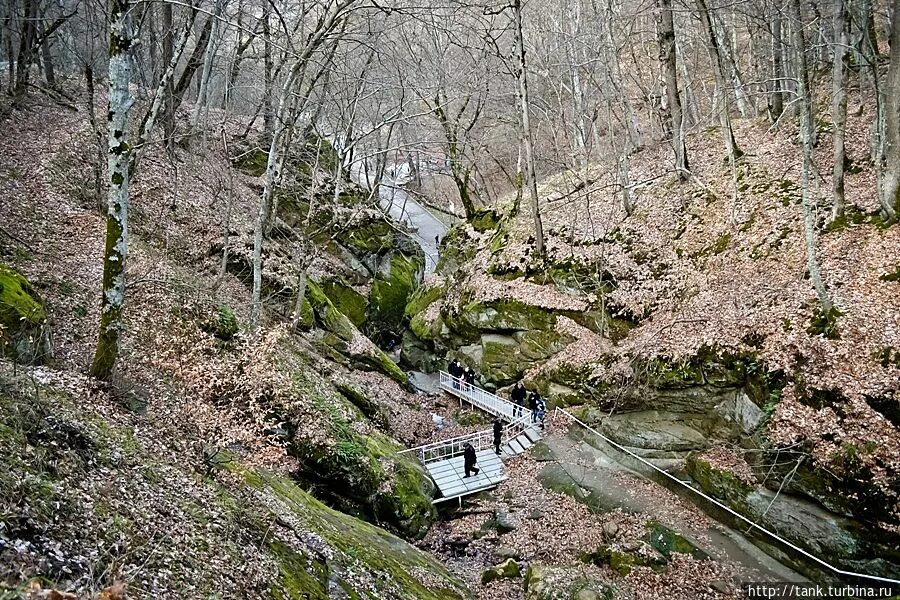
<point>444,459</point>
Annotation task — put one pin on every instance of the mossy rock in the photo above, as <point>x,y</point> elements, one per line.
<point>619,561</point>
<point>24,333</point>
<point>346,299</point>
<point>392,289</point>
<point>476,317</point>
<point>484,220</point>
<point>253,163</point>
<point>457,249</point>
<point>423,297</point>
<point>362,468</point>
<point>341,333</point>
<point>396,568</point>
<point>372,236</point>
<point>666,541</point>
<point>508,569</point>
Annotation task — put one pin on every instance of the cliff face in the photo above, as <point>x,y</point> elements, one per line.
<point>692,322</point>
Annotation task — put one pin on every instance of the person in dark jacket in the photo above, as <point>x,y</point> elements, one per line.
<point>518,398</point>
<point>533,399</point>
<point>469,459</point>
<point>455,370</point>
<point>541,411</point>
<point>498,434</point>
<point>469,378</point>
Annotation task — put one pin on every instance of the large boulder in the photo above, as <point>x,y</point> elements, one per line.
<point>344,338</point>
<point>397,277</point>
<point>844,542</point>
<point>24,333</point>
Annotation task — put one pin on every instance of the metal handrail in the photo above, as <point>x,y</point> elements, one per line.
<point>728,509</point>
<point>480,440</point>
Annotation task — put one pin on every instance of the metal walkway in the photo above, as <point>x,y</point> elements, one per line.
<point>444,461</point>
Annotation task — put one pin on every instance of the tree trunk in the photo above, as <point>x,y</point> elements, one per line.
<point>268,114</point>
<point>799,44</point>
<point>776,85</point>
<point>809,231</point>
<point>731,148</point>
<point>890,196</point>
<point>527,138</point>
<point>47,56</point>
<point>116,249</point>
<point>839,106</point>
<point>202,99</point>
<point>27,37</point>
<point>168,52</point>
<point>668,61</point>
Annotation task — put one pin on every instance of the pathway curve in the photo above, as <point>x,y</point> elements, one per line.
<point>423,226</point>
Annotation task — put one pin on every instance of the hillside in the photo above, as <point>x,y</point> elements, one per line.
<point>688,330</point>
<point>221,462</point>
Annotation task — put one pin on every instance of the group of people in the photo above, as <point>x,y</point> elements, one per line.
<point>536,404</point>
<point>463,377</point>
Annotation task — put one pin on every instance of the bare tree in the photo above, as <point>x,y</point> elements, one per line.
<point>666,40</point>
<point>530,175</point>
<point>890,194</point>
<point>839,106</point>
<point>121,39</point>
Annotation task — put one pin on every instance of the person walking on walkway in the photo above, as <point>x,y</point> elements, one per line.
<point>533,399</point>
<point>455,370</point>
<point>518,398</point>
<point>469,378</point>
<point>498,434</point>
<point>469,459</point>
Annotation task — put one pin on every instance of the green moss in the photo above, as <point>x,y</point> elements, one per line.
<point>508,569</point>
<point>299,577</point>
<point>359,544</point>
<point>484,220</point>
<point>666,541</point>
<point>253,162</point>
<point>346,299</point>
<point>369,237</point>
<point>892,275</point>
<point>424,297</point>
<point>392,290</point>
<point>23,319</point>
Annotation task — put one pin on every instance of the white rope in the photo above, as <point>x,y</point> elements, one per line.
<point>729,509</point>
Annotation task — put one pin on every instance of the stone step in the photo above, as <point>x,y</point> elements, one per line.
<point>516,446</point>
<point>524,441</point>
<point>533,434</point>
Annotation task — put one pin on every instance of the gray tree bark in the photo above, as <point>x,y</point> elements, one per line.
<point>890,195</point>
<point>839,106</point>
<point>670,68</point>
<point>526,133</point>
<point>118,158</point>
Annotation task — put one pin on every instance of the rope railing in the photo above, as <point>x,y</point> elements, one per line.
<point>729,510</point>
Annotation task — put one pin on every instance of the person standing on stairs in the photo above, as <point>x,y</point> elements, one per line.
<point>498,434</point>
<point>455,369</point>
<point>518,397</point>
<point>469,378</point>
<point>533,399</point>
<point>469,459</point>
<point>541,411</point>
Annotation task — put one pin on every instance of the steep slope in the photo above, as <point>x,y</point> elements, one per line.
<point>243,436</point>
<point>691,325</point>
